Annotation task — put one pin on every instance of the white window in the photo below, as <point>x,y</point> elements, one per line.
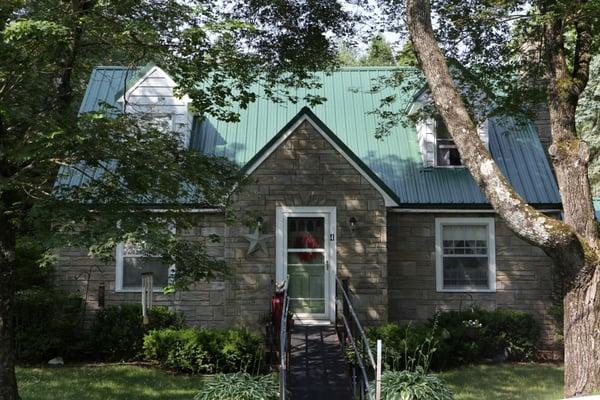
<point>132,260</point>
<point>465,254</point>
<point>446,152</point>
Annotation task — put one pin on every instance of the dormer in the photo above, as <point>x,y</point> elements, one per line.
<point>435,143</point>
<point>149,93</point>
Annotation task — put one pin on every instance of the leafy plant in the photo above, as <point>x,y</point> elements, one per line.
<point>47,324</point>
<point>457,338</point>
<point>406,348</point>
<point>239,386</point>
<point>205,351</point>
<point>118,331</point>
<point>412,385</point>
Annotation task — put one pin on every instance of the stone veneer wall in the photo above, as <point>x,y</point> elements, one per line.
<point>307,171</point>
<point>523,274</point>
<point>304,171</point>
<point>202,305</point>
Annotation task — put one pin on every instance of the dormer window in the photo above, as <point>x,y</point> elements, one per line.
<point>446,152</point>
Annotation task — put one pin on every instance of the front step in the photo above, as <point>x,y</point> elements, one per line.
<point>317,369</point>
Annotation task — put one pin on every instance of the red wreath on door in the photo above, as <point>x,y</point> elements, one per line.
<point>307,241</point>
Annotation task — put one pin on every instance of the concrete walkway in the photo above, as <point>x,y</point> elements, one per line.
<point>317,370</point>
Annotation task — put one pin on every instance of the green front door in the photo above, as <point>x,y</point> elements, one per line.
<point>306,261</point>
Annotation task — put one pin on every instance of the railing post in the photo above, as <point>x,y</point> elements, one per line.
<point>378,372</point>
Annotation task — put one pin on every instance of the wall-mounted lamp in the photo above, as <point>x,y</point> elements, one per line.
<point>352,222</point>
<point>259,222</point>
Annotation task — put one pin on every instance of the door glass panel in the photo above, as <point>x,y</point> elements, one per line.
<point>306,264</point>
<point>306,233</point>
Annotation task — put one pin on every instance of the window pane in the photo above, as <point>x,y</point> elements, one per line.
<point>306,233</point>
<point>448,156</point>
<point>461,272</point>
<point>134,266</point>
<point>465,232</point>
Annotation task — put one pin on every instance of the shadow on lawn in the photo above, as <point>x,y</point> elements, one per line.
<point>106,382</point>
<point>507,381</point>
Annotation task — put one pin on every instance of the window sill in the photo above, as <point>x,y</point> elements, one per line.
<point>137,290</point>
<point>466,290</point>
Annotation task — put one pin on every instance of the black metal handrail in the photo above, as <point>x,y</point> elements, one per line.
<point>353,331</point>
<point>283,344</point>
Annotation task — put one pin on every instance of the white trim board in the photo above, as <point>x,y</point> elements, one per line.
<point>389,202</point>
<point>457,211</point>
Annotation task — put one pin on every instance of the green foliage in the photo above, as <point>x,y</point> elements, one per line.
<point>405,348</point>
<point>588,122</point>
<point>471,336</point>
<point>457,338</point>
<point>198,350</point>
<point>47,324</point>
<point>34,265</point>
<point>118,331</point>
<point>412,385</point>
<point>380,53</point>
<point>239,386</point>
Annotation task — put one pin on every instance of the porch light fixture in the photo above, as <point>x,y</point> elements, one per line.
<point>352,224</point>
<point>259,222</point>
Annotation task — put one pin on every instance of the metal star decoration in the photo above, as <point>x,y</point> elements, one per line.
<point>257,240</point>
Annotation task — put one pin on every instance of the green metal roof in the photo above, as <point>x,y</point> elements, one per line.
<point>395,159</point>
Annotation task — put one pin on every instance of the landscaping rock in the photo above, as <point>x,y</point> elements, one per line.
<point>56,361</point>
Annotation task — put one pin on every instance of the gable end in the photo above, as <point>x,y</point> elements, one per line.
<point>306,115</point>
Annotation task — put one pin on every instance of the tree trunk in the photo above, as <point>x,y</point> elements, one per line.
<point>572,245</point>
<point>582,338</point>
<point>8,382</point>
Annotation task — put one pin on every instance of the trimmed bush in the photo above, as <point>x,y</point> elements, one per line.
<point>118,331</point>
<point>239,386</point>
<point>476,335</point>
<point>457,338</point>
<point>198,350</point>
<point>47,324</point>
<point>412,385</point>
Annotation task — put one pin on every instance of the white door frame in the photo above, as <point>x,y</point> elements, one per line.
<point>329,214</point>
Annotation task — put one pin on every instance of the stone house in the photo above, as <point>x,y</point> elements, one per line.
<point>398,215</point>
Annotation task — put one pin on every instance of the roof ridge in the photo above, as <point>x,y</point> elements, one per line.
<point>376,68</point>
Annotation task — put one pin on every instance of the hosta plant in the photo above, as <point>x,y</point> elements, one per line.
<point>239,386</point>
<point>412,385</point>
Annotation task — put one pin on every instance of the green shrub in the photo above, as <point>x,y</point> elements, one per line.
<point>404,347</point>
<point>457,338</point>
<point>198,350</point>
<point>476,335</point>
<point>412,385</point>
<point>118,331</point>
<point>239,386</point>
<point>47,324</point>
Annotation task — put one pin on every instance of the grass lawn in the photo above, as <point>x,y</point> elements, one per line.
<point>507,381</point>
<point>120,382</point>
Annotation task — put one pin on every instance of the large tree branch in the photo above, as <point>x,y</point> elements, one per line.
<point>548,233</point>
<point>570,154</point>
<point>582,56</point>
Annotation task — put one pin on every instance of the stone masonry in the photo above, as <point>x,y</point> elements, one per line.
<point>307,171</point>
<point>304,171</point>
<point>523,274</point>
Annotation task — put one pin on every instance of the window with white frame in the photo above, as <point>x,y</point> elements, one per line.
<point>446,151</point>
<point>132,260</point>
<point>465,254</point>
